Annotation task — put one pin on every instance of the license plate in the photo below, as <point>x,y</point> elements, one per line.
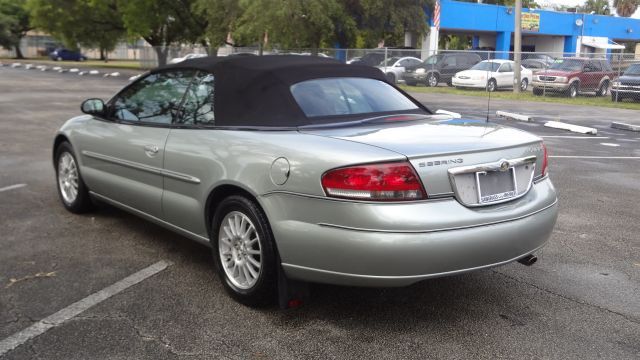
<point>496,185</point>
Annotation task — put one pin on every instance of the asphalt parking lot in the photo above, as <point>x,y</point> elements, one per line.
<point>581,300</point>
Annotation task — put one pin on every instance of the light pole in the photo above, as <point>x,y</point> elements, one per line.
<point>517,47</point>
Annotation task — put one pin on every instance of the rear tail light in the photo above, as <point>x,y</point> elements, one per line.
<point>377,182</point>
<point>545,160</point>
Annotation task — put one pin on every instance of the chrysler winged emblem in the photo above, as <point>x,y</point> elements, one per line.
<point>504,166</point>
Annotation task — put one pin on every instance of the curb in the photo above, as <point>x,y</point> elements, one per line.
<point>513,116</point>
<point>623,126</point>
<point>572,128</point>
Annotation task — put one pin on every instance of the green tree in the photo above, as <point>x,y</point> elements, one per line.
<point>292,23</point>
<point>600,7</point>
<point>163,23</point>
<point>88,23</point>
<point>14,24</point>
<point>221,17</point>
<point>626,8</point>
<point>388,20</point>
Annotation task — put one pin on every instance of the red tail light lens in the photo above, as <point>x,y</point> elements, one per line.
<point>545,160</point>
<point>378,182</point>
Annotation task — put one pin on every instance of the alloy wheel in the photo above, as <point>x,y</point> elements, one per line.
<point>432,80</point>
<point>68,177</point>
<point>239,249</point>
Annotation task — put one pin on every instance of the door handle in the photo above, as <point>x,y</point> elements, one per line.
<point>153,149</point>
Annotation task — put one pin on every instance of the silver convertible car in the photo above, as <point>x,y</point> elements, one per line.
<point>299,169</point>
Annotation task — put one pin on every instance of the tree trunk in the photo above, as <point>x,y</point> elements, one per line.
<point>161,53</point>
<point>18,51</point>
<point>102,57</point>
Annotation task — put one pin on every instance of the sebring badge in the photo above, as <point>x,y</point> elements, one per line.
<point>441,162</point>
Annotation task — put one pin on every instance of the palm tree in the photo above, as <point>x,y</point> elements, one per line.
<point>626,8</point>
<point>599,7</point>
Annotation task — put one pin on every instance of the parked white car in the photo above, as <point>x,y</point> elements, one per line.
<point>395,66</point>
<point>188,56</point>
<point>492,75</point>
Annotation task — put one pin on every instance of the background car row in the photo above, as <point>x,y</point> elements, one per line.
<point>542,73</point>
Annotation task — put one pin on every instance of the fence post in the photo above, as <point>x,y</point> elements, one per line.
<point>618,77</point>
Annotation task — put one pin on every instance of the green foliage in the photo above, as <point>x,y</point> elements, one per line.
<point>14,24</point>
<point>389,19</point>
<point>626,8</point>
<point>293,23</point>
<point>221,17</point>
<point>162,23</point>
<point>89,23</point>
<point>600,7</point>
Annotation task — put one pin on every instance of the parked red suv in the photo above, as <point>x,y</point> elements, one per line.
<point>571,76</point>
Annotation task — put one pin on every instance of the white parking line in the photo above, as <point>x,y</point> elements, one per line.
<point>595,157</point>
<point>77,308</point>
<point>574,137</point>
<point>610,144</point>
<point>11,187</point>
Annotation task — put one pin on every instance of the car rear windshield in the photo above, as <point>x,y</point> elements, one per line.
<point>567,65</point>
<point>486,66</point>
<point>331,97</point>
<point>633,70</point>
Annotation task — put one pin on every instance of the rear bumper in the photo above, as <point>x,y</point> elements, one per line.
<point>405,248</point>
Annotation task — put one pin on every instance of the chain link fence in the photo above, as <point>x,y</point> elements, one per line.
<point>597,75</point>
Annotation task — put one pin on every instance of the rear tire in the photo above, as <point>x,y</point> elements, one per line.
<point>604,89</point>
<point>524,84</point>
<point>72,190</point>
<point>245,253</point>
<point>391,77</point>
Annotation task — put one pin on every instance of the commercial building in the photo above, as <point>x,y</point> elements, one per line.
<point>492,26</point>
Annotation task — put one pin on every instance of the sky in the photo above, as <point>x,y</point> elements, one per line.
<point>549,3</point>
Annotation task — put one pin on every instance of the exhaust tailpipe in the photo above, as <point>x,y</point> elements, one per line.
<point>528,260</point>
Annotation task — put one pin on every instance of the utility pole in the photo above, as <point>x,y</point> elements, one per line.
<point>517,47</point>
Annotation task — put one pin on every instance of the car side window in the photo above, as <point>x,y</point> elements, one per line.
<point>450,61</point>
<point>197,108</point>
<point>596,65</point>
<point>414,62</point>
<point>153,99</point>
<point>506,67</point>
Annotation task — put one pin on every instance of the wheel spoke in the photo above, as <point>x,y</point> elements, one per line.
<point>253,252</point>
<point>253,262</point>
<point>252,272</point>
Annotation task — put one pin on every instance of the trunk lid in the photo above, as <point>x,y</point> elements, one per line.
<point>434,147</point>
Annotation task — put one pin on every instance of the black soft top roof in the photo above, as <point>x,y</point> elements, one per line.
<point>254,90</point>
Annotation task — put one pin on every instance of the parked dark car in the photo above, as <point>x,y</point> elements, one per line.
<point>570,76</point>
<point>440,68</point>
<point>66,54</point>
<point>627,86</point>
<point>534,64</point>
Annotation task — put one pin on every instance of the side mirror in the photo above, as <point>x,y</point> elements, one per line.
<point>93,107</point>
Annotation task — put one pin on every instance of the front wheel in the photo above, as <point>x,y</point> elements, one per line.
<point>71,189</point>
<point>432,80</point>
<point>411,83</point>
<point>492,85</point>
<point>244,251</point>
<point>572,92</point>
<point>524,84</point>
<point>537,91</point>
